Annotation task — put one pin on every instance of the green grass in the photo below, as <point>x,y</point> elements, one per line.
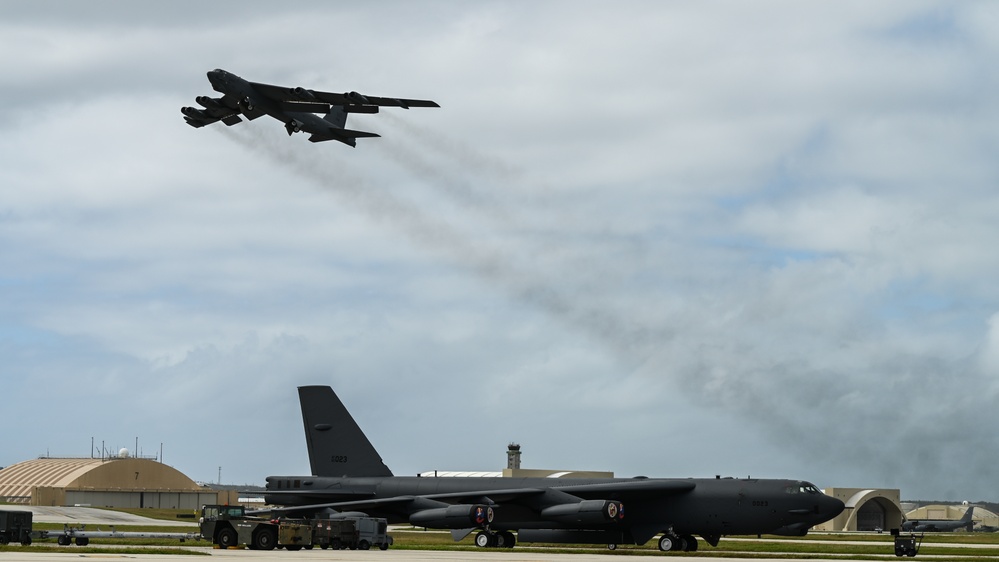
<point>814,546</point>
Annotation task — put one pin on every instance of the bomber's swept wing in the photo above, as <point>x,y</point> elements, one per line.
<point>609,490</point>
<point>349,99</point>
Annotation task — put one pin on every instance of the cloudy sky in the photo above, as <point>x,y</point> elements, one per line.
<point>659,238</point>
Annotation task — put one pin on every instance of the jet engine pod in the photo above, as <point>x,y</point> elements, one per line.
<point>586,511</point>
<point>303,94</point>
<point>293,126</point>
<point>460,516</point>
<point>194,113</point>
<point>208,103</point>
<point>356,97</point>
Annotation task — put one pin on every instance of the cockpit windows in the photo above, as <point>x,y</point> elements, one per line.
<point>802,488</point>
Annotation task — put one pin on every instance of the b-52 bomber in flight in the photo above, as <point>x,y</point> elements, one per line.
<point>349,478</point>
<point>297,108</point>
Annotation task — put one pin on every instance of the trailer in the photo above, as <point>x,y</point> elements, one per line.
<point>354,533</point>
<point>81,536</point>
<point>15,526</point>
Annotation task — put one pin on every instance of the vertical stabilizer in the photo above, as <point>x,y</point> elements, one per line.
<point>337,116</point>
<point>337,446</point>
<point>968,515</point>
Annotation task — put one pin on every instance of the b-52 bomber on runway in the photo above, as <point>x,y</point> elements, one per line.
<point>349,476</point>
<point>297,108</point>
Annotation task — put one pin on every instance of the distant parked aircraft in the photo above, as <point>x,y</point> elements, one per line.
<point>940,525</point>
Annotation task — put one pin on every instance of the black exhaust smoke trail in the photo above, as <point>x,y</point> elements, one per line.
<point>487,263</point>
<point>535,224</point>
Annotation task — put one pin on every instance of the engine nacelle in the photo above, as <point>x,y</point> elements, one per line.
<point>303,94</point>
<point>293,126</point>
<point>209,103</point>
<point>586,511</point>
<point>194,113</point>
<point>453,517</point>
<point>356,97</point>
<point>344,515</point>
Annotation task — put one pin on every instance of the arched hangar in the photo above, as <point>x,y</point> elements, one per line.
<point>108,482</point>
<point>866,510</point>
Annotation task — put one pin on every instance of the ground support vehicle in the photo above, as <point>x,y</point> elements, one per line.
<point>355,533</point>
<point>228,525</point>
<point>15,526</point>
<point>907,545</point>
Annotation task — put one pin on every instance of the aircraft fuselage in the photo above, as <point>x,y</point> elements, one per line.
<point>717,506</point>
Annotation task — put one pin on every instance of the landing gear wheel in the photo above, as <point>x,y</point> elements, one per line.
<point>64,540</point>
<point>26,541</point>
<point>226,538</point>
<point>509,539</point>
<point>691,543</point>
<point>485,539</point>
<point>612,546</point>
<point>363,545</point>
<point>666,543</point>
<point>265,539</point>
<point>82,541</point>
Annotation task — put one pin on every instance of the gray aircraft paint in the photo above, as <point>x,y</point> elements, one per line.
<point>350,475</point>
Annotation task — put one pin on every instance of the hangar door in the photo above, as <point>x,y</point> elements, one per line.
<point>870,516</point>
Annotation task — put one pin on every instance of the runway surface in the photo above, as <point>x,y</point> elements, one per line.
<point>366,556</point>
<point>94,516</point>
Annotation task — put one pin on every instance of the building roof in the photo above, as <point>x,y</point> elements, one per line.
<point>96,474</point>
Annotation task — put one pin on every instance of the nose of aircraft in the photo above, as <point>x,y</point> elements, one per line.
<point>830,507</point>
<point>216,76</point>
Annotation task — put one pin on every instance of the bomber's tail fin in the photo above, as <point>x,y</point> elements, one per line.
<point>337,116</point>
<point>968,514</point>
<point>337,446</point>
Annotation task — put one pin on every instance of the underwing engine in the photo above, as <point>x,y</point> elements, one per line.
<point>586,511</point>
<point>461,516</point>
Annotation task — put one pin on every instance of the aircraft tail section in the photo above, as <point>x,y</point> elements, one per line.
<point>337,116</point>
<point>337,446</point>
<point>968,514</point>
